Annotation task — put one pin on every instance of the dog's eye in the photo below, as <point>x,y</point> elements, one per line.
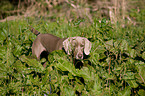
<point>82,45</point>
<point>73,43</point>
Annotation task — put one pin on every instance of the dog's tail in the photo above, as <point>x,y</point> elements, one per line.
<point>34,31</point>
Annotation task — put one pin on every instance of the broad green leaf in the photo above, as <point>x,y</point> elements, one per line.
<point>140,76</point>
<point>6,55</point>
<point>132,53</point>
<point>125,92</point>
<point>2,37</point>
<point>85,73</point>
<point>141,92</point>
<point>90,85</point>
<point>143,55</point>
<point>17,50</point>
<point>95,56</point>
<point>64,80</point>
<point>117,44</point>
<point>108,76</point>
<point>3,71</point>
<point>57,55</point>
<point>19,66</point>
<point>129,76</point>
<point>70,76</point>
<point>66,66</point>
<point>97,90</point>
<point>2,51</point>
<point>140,47</point>
<point>118,68</point>
<point>103,23</point>
<point>67,91</point>
<point>124,45</point>
<point>33,64</point>
<point>79,87</point>
<point>100,49</point>
<point>58,58</point>
<point>132,83</point>
<point>109,44</point>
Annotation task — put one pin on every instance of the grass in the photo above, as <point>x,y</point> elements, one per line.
<point>115,67</point>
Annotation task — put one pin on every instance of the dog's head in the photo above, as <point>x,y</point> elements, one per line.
<point>76,46</point>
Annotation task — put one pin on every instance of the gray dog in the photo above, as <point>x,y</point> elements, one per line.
<point>75,46</point>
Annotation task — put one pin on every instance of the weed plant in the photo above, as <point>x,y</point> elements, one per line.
<point>115,66</point>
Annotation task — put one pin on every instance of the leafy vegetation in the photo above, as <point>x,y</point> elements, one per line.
<point>115,67</point>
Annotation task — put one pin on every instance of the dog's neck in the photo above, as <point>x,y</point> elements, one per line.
<point>60,44</point>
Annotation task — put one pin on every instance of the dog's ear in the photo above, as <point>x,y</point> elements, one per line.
<point>88,46</point>
<point>67,45</point>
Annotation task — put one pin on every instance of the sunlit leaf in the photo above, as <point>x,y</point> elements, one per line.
<point>132,53</point>
<point>143,55</point>
<point>17,50</point>
<point>79,87</point>
<point>85,73</point>
<point>140,76</point>
<point>141,92</point>
<point>124,45</point>
<point>33,63</point>
<point>125,92</point>
<point>109,44</point>
<point>132,83</point>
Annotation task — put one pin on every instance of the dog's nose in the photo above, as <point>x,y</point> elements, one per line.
<point>80,55</point>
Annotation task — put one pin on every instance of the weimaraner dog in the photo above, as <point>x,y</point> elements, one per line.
<point>75,46</point>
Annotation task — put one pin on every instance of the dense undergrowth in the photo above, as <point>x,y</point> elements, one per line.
<point>115,66</point>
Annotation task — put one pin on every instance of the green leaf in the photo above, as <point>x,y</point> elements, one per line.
<point>97,90</point>
<point>108,76</point>
<point>67,91</point>
<point>33,64</point>
<point>117,44</point>
<point>57,55</point>
<point>2,51</point>
<point>90,84</point>
<point>140,76</point>
<point>129,76</point>
<point>100,50</point>
<point>103,22</point>
<point>85,73</point>
<point>143,55</point>
<point>79,87</point>
<point>109,44</point>
<point>132,53</point>
<point>58,58</point>
<point>125,92</point>
<point>6,55</point>
<point>17,50</point>
<point>2,37</point>
<point>118,68</point>
<point>70,76</point>
<point>124,45</point>
<point>3,71</point>
<point>132,83</point>
<point>141,92</point>
<point>66,66</point>
<point>19,66</point>
<point>94,57</point>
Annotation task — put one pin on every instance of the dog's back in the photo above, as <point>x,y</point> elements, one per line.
<point>49,41</point>
<point>45,42</point>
